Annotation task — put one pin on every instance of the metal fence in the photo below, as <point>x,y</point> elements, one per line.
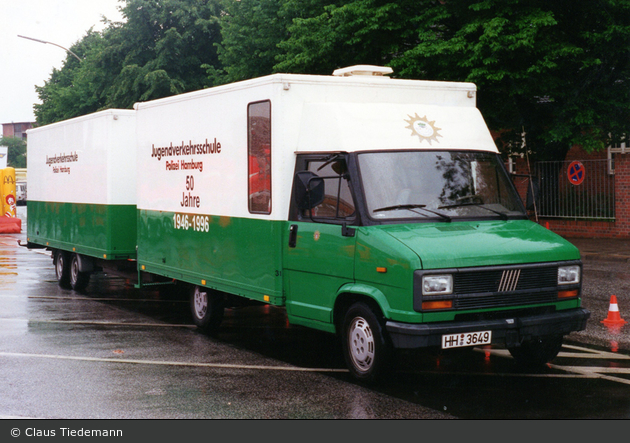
<point>575,189</point>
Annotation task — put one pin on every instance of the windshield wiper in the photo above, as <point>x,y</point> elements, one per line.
<point>411,207</point>
<point>502,215</point>
<point>394,207</point>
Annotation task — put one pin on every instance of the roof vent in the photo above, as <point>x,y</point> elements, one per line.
<point>369,70</point>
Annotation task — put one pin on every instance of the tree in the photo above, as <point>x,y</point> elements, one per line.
<point>77,88</point>
<point>158,51</point>
<point>345,33</point>
<point>251,35</point>
<point>260,37</point>
<point>557,72</point>
<point>16,152</point>
<point>554,74</point>
<point>250,31</point>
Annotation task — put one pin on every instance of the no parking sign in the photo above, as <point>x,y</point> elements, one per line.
<point>576,172</point>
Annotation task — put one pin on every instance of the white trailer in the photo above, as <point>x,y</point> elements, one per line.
<point>82,192</point>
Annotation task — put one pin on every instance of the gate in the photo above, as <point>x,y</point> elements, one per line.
<point>575,189</point>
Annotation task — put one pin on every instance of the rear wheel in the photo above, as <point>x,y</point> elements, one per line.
<point>366,347</point>
<point>207,308</point>
<point>537,351</point>
<point>62,268</point>
<point>78,280</point>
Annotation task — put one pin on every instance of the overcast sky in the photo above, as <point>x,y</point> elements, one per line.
<point>24,63</point>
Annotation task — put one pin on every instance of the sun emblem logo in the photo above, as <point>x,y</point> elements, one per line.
<point>423,128</point>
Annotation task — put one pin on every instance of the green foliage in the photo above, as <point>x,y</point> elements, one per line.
<point>16,151</point>
<point>346,33</point>
<point>557,72</point>
<point>158,51</point>
<point>250,31</point>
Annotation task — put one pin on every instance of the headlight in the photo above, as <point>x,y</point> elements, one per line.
<point>568,275</point>
<point>437,284</point>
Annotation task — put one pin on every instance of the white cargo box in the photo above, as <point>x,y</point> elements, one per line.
<point>308,113</point>
<point>82,184</point>
<point>88,159</point>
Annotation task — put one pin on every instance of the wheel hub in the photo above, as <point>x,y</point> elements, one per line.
<point>361,341</point>
<point>201,303</point>
<point>74,270</point>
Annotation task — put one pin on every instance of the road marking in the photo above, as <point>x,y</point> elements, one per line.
<point>596,372</point>
<point>586,353</point>
<point>172,363</point>
<point>101,323</point>
<point>80,298</point>
<point>579,371</point>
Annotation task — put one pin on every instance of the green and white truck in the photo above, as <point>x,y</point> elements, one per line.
<point>375,208</point>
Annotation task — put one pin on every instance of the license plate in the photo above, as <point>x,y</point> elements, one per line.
<point>466,339</point>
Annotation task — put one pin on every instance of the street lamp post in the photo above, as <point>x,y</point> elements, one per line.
<point>45,42</point>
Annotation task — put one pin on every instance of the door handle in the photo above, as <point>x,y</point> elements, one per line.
<point>293,236</point>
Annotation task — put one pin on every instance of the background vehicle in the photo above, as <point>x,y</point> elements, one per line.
<point>20,193</point>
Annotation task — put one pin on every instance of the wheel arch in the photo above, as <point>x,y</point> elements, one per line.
<point>352,293</point>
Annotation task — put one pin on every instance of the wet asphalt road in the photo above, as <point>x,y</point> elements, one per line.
<point>122,353</point>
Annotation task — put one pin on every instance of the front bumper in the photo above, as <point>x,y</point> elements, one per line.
<point>509,331</point>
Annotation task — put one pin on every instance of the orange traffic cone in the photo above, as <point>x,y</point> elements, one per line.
<point>614,318</point>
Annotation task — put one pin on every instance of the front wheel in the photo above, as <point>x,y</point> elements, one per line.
<point>537,351</point>
<point>366,347</point>
<point>207,308</point>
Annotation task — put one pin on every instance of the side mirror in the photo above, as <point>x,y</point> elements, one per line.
<point>308,190</point>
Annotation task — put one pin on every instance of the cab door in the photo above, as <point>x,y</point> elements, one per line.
<point>319,244</point>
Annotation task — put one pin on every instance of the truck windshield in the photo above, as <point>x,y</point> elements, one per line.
<point>441,185</point>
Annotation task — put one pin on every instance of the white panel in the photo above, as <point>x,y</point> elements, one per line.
<point>215,123</point>
<point>89,159</point>
<point>309,113</point>
<point>355,127</point>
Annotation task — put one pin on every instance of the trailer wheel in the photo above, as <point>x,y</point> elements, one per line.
<point>62,268</point>
<point>207,308</point>
<point>78,280</point>
<point>538,351</point>
<point>366,347</point>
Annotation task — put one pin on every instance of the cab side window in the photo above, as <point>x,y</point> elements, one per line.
<point>338,203</point>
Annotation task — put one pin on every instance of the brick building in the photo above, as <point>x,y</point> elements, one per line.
<point>17,130</point>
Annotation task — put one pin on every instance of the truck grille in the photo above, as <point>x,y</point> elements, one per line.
<point>494,287</point>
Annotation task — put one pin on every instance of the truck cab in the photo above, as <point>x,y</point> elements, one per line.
<point>425,248</point>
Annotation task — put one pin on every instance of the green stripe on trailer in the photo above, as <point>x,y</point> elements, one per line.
<point>102,231</point>
<point>239,256</point>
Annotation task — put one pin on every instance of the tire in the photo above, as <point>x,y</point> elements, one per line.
<point>207,308</point>
<point>62,268</point>
<point>366,347</point>
<point>538,351</point>
<point>78,280</point>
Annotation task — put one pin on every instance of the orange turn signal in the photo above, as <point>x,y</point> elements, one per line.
<point>568,294</point>
<point>440,304</point>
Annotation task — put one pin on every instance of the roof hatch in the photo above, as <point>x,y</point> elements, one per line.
<point>369,70</point>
